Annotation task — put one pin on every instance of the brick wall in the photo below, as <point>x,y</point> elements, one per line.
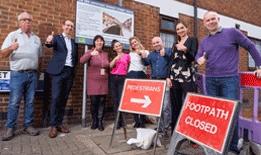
<point>48,16</point>
<point>245,10</point>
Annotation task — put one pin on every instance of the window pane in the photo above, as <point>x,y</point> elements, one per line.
<point>168,39</point>
<point>167,25</point>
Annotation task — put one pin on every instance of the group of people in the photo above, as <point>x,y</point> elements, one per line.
<point>218,51</point>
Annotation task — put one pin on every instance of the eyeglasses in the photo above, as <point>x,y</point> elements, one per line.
<point>69,25</point>
<point>26,19</point>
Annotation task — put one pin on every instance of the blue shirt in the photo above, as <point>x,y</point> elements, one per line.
<point>160,65</point>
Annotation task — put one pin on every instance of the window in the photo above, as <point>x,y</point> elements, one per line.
<point>167,30</point>
<point>251,62</point>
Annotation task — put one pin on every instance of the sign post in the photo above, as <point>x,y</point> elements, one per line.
<point>141,97</point>
<point>207,121</point>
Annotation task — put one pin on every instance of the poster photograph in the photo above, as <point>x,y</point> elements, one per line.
<point>112,22</point>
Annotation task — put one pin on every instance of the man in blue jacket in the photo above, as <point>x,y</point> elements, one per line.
<point>61,68</point>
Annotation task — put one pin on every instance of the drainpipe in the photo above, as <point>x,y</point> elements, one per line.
<point>195,33</point>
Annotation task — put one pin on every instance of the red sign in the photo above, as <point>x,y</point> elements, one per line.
<point>249,79</point>
<point>206,120</point>
<point>143,96</point>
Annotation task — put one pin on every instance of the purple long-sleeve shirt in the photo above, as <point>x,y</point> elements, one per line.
<point>222,52</point>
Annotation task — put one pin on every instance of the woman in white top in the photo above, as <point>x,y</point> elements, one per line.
<point>137,71</point>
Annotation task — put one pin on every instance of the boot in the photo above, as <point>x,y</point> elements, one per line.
<point>94,124</point>
<point>100,125</point>
<point>8,135</point>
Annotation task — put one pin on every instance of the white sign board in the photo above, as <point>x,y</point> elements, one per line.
<point>112,22</point>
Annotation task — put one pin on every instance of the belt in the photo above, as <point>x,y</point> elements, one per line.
<point>27,70</point>
<point>158,78</point>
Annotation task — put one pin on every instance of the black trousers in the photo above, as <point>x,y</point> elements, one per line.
<point>117,82</point>
<point>61,87</point>
<point>178,93</point>
<point>97,107</point>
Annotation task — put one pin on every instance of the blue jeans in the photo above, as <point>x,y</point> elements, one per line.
<point>226,87</point>
<point>166,112</point>
<point>22,84</point>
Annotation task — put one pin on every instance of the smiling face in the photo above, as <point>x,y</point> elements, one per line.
<point>99,44</point>
<point>117,47</point>
<point>134,44</point>
<point>211,21</point>
<point>157,43</point>
<point>181,30</point>
<point>25,22</point>
<point>68,27</point>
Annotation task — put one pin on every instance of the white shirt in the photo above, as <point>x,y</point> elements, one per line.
<point>28,52</point>
<point>68,42</point>
<point>136,63</point>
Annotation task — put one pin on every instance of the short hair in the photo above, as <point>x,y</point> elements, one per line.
<point>96,38</point>
<point>19,17</point>
<point>214,12</point>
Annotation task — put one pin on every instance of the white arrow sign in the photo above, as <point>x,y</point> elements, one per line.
<point>146,101</point>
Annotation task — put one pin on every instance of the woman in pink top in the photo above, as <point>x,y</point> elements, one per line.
<point>97,80</point>
<point>119,68</point>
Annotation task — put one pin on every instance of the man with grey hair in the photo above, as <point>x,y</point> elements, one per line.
<point>23,48</point>
<point>219,50</point>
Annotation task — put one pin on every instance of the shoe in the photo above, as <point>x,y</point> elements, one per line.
<point>136,125</point>
<point>52,132</point>
<point>119,125</point>
<point>100,126</point>
<point>31,131</point>
<point>62,129</point>
<point>8,135</point>
<point>142,125</point>
<point>94,125</point>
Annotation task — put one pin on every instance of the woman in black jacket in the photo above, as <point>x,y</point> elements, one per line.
<point>182,78</point>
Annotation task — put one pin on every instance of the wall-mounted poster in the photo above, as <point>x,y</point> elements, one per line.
<point>5,82</point>
<point>112,22</point>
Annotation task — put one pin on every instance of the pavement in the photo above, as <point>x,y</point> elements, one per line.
<point>84,141</point>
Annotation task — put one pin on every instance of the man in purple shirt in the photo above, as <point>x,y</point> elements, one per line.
<point>219,50</point>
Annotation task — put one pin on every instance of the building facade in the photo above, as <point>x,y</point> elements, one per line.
<point>151,18</point>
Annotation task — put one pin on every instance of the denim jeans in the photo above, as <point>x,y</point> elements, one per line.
<point>166,112</point>
<point>22,84</point>
<point>226,87</point>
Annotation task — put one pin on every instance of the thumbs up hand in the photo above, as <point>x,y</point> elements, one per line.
<point>49,39</point>
<point>202,59</point>
<point>14,45</point>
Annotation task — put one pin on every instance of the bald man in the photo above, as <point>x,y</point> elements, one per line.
<point>219,50</point>
<point>24,49</point>
<point>159,61</point>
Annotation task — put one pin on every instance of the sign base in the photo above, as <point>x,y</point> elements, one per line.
<point>176,141</point>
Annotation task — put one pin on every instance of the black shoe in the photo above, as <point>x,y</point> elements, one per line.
<point>94,125</point>
<point>119,125</point>
<point>8,135</point>
<point>136,125</point>
<point>100,126</point>
<point>142,125</point>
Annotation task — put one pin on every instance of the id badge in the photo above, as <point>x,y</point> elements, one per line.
<point>102,71</point>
